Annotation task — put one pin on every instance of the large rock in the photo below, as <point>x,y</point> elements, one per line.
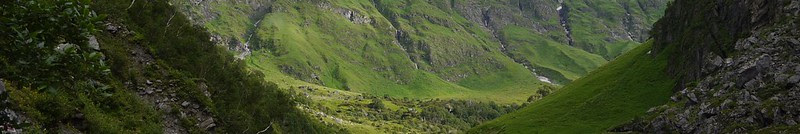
<point>93,43</point>
<point>794,79</point>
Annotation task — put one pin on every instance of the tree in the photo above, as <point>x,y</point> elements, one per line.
<point>376,104</point>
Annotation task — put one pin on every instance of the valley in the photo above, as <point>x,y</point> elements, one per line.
<point>422,49</point>
<point>503,53</point>
<point>399,66</point>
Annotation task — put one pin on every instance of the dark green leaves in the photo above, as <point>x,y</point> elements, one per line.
<point>45,44</point>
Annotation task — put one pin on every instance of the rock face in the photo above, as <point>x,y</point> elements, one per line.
<point>204,12</point>
<point>698,28</point>
<point>744,85</point>
<point>11,121</point>
<point>577,21</point>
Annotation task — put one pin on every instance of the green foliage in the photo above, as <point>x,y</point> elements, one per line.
<point>607,97</point>
<point>45,44</point>
<point>359,113</point>
<point>541,93</point>
<point>376,104</point>
<point>47,47</point>
<point>242,101</point>
<point>121,113</point>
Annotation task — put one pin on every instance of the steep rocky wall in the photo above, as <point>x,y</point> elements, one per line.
<point>739,64</point>
<point>699,27</point>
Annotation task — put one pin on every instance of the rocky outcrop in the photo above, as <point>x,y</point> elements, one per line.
<point>202,12</point>
<point>698,28</point>
<point>753,86</point>
<point>352,15</point>
<point>11,121</point>
<point>563,13</point>
<point>494,16</point>
<point>163,92</point>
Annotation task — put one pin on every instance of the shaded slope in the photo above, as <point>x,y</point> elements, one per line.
<point>157,73</point>
<point>737,67</point>
<point>609,96</point>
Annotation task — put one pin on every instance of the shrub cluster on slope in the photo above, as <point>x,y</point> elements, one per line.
<point>90,96</point>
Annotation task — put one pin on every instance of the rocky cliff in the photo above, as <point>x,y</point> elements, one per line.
<point>737,62</point>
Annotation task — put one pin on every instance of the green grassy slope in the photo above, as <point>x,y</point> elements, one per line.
<point>552,59</point>
<point>412,48</point>
<point>307,40</point>
<point>351,111</point>
<point>610,28</point>
<point>611,95</point>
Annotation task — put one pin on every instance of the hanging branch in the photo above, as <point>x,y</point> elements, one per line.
<point>265,129</point>
<point>129,7</point>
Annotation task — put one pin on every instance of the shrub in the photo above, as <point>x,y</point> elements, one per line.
<point>46,43</point>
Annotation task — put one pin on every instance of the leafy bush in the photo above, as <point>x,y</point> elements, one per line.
<point>241,100</point>
<point>46,43</point>
<point>50,46</point>
<point>376,104</point>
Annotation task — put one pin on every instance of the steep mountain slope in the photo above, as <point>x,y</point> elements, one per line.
<point>735,66</point>
<point>314,42</point>
<point>423,49</point>
<point>120,66</point>
<point>738,68</point>
<point>609,96</point>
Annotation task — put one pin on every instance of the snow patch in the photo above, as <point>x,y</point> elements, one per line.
<point>544,79</point>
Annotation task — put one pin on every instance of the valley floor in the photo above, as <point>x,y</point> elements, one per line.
<point>374,113</point>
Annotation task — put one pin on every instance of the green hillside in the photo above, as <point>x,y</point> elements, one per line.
<point>601,100</point>
<point>399,66</point>
<point>610,28</point>
<point>317,45</point>
<point>559,62</point>
<point>482,50</point>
